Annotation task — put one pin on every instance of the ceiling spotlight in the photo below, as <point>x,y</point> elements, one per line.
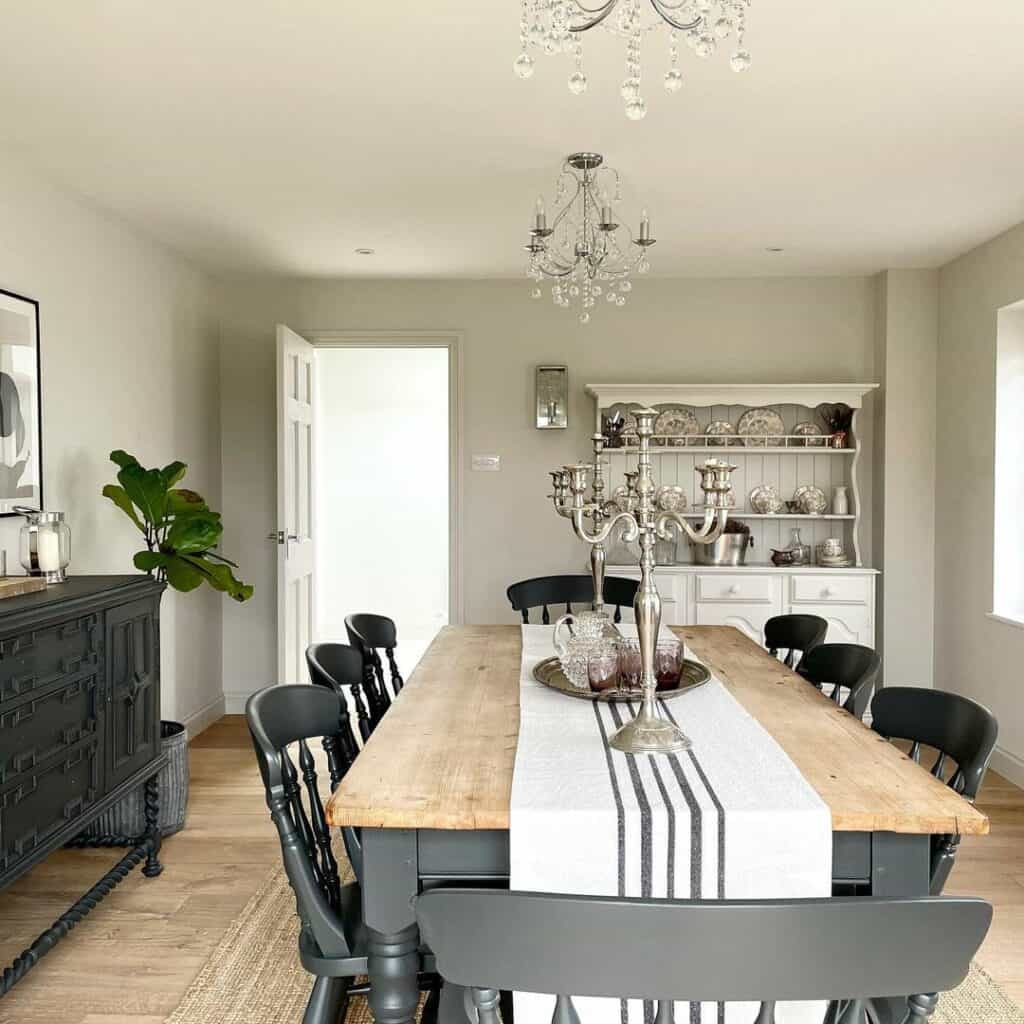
<point>775,248</point>
<point>365,252</point>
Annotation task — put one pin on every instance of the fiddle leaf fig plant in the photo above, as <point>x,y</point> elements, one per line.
<point>180,529</point>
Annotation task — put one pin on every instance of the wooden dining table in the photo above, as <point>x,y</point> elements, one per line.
<point>431,789</point>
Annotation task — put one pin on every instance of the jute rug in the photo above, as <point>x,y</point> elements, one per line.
<point>254,976</point>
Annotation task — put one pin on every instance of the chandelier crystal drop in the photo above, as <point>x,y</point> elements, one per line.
<point>585,252</point>
<point>558,26</point>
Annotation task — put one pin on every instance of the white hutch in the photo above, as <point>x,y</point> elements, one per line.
<point>747,596</point>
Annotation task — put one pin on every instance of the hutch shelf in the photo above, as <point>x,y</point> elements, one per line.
<point>747,596</point>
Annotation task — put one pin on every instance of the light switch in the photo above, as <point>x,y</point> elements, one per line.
<point>486,463</point>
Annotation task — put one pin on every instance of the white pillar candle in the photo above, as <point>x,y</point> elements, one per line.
<point>48,551</point>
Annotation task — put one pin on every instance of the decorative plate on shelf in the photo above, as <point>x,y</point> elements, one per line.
<point>811,499</point>
<point>718,433</point>
<point>620,498</point>
<point>765,500</point>
<point>670,498</point>
<point>676,423</point>
<point>761,428</point>
<point>842,562</point>
<point>811,431</point>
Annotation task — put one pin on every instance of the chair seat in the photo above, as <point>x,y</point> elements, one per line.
<point>333,967</point>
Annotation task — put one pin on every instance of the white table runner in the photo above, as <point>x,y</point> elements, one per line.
<point>732,818</point>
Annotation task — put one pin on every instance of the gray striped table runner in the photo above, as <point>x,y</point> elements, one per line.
<point>733,818</point>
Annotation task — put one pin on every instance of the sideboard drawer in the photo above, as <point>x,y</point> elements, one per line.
<point>736,587</point>
<point>34,658</point>
<point>35,731</point>
<point>37,806</point>
<point>817,589</point>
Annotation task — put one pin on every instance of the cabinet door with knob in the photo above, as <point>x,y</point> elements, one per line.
<point>133,690</point>
<point>845,601</point>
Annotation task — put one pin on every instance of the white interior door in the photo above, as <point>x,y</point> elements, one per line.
<point>296,388</point>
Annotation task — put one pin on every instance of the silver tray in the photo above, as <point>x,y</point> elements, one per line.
<point>549,673</point>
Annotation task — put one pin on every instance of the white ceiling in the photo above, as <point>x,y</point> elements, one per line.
<point>279,135</point>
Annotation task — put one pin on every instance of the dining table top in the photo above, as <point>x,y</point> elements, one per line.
<point>443,755</point>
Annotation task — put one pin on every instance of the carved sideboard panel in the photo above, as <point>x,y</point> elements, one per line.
<point>79,708</point>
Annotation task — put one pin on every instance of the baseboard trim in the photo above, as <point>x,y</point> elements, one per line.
<point>202,719</point>
<point>235,701</point>
<point>1009,765</point>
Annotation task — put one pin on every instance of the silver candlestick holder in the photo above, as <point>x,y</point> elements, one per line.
<point>597,509</point>
<point>649,732</point>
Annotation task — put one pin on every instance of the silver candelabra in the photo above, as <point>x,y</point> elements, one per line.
<point>648,732</point>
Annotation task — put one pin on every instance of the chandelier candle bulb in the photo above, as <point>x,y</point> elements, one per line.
<point>540,217</point>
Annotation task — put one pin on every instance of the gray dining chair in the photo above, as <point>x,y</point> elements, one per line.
<point>333,944</point>
<point>845,951</point>
<point>960,730</point>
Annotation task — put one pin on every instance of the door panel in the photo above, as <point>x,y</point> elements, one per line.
<point>133,674</point>
<point>296,449</point>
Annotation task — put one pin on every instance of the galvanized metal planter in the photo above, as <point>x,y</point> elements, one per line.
<point>127,818</point>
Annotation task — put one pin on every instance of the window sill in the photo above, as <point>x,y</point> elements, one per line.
<point>1008,620</point>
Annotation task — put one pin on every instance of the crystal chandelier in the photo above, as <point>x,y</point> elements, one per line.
<point>585,251</point>
<point>557,26</point>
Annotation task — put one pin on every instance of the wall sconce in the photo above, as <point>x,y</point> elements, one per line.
<point>552,397</point>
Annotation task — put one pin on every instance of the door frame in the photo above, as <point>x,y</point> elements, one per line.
<point>453,341</point>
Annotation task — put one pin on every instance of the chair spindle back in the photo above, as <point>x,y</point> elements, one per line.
<point>544,591</point>
<point>280,717</point>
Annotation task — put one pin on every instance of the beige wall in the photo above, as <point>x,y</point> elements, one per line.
<point>974,654</point>
<point>903,521</point>
<point>772,330</point>
<point>129,360</point>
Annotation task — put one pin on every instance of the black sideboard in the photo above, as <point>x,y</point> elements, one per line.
<point>79,729</point>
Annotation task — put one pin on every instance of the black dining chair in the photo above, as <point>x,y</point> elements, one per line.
<point>846,667</point>
<point>845,951</point>
<point>369,634</point>
<point>332,937</point>
<point>796,634</point>
<point>961,731</point>
<point>338,667</point>
<point>566,591</point>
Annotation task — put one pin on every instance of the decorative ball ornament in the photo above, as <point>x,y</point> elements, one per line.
<point>523,65</point>
<point>739,61</point>
<point>577,83</point>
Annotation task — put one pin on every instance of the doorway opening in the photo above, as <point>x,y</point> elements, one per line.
<point>383,489</point>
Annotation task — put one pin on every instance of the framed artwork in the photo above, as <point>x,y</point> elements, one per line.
<point>21,414</point>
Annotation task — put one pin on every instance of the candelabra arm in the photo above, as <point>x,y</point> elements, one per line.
<point>708,532</point>
<point>599,536</point>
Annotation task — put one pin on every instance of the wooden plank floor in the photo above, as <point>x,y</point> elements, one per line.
<point>132,959</point>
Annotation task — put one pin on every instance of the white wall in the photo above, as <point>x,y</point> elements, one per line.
<point>772,330</point>
<point>129,360</point>
<point>903,520</point>
<point>974,654</point>
<point>1008,567</point>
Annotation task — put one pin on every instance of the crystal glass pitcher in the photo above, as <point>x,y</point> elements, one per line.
<point>586,637</point>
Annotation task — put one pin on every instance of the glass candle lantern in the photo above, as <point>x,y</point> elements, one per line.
<point>45,545</point>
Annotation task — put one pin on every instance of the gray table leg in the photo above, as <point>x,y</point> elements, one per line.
<point>390,884</point>
<point>900,866</point>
